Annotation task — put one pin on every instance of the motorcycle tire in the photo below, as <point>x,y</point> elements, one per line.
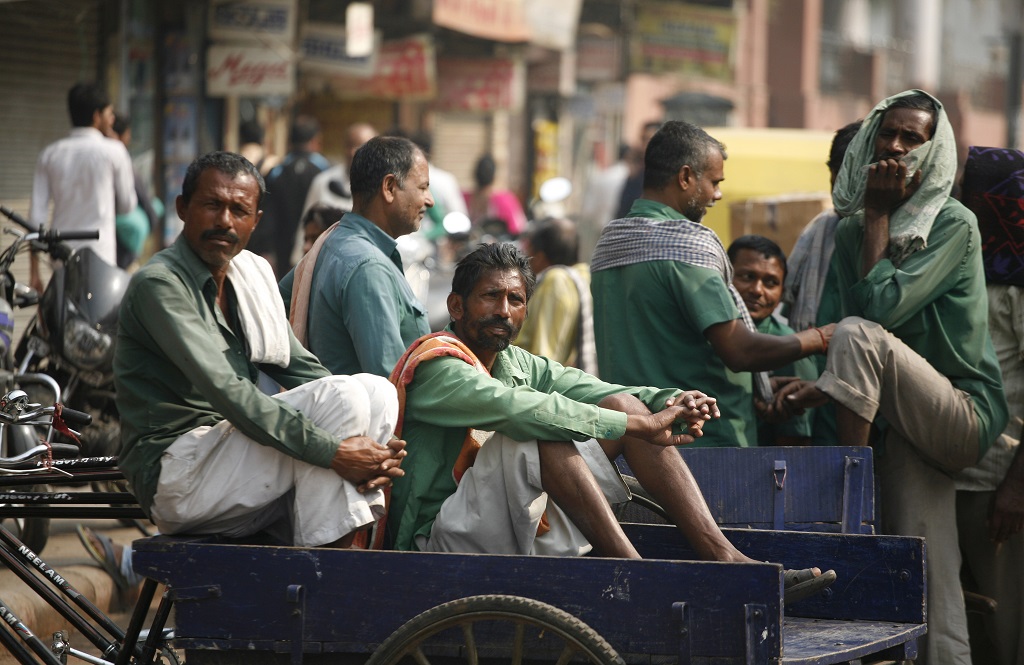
<point>33,532</point>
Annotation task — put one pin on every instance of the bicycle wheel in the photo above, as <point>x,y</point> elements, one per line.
<point>468,630</point>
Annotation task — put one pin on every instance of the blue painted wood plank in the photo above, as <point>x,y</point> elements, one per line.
<point>822,488</point>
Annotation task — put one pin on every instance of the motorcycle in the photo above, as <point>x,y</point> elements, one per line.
<point>31,377</point>
<point>71,339</point>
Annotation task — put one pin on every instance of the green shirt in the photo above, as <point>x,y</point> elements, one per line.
<point>527,397</point>
<point>649,323</point>
<point>179,364</point>
<point>362,311</point>
<point>806,369</point>
<point>935,302</point>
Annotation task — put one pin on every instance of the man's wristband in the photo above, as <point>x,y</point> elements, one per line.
<point>824,342</point>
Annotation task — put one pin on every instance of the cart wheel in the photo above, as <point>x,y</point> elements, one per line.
<point>529,629</point>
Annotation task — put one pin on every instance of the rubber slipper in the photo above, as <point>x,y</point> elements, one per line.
<point>106,559</point>
<point>800,584</point>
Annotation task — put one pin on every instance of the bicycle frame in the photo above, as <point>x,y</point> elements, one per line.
<point>118,646</point>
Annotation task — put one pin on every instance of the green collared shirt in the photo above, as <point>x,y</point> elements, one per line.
<point>935,302</point>
<point>526,397</point>
<point>179,364</point>
<point>649,323</point>
<point>362,311</point>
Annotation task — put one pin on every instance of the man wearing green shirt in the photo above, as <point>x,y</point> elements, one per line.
<point>205,450</point>
<point>759,271</point>
<point>665,311</point>
<point>348,299</point>
<point>512,453</point>
<point>912,356</point>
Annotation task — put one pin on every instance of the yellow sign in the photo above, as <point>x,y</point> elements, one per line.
<point>680,38</point>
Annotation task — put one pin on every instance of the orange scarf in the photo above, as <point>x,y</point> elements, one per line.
<point>428,347</point>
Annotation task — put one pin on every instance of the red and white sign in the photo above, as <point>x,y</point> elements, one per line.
<point>466,84</point>
<point>404,70</point>
<point>500,20</point>
<point>248,71</point>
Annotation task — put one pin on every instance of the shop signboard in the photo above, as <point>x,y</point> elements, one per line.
<point>473,84</point>
<point>686,39</point>
<point>248,71</point>
<point>252,20</point>
<point>324,47</point>
<point>500,20</point>
<point>404,70</point>
<point>553,24</point>
<point>598,58</point>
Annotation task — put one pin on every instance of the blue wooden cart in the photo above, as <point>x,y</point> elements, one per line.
<point>267,604</point>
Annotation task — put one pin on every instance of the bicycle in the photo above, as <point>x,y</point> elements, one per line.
<point>47,463</point>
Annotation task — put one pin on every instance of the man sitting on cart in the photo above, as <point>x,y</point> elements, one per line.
<point>205,450</point>
<point>495,431</point>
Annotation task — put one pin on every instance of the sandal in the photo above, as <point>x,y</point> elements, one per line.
<point>105,558</point>
<point>800,584</point>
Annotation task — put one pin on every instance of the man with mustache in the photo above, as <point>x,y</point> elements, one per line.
<point>911,366</point>
<point>205,450</point>
<point>759,271</point>
<point>348,299</point>
<point>665,311</point>
<point>511,453</point>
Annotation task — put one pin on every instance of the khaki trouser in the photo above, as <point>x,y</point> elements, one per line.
<point>933,432</point>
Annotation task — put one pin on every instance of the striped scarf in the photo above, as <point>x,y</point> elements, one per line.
<point>639,239</point>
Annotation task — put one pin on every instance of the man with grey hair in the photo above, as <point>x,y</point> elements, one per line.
<point>350,303</point>
<point>668,275</point>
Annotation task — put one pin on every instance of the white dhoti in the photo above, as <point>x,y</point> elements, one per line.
<point>217,480</point>
<point>499,503</point>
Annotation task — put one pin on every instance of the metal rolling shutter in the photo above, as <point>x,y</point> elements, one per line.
<point>459,140</point>
<point>48,45</point>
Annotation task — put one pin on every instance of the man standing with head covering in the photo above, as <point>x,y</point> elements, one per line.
<point>911,358</point>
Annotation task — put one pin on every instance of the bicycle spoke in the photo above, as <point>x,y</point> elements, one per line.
<point>472,655</point>
<point>517,644</point>
<point>566,655</point>
<point>420,657</point>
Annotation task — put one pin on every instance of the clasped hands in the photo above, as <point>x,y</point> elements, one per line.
<point>792,396</point>
<point>368,465</point>
<point>691,407</point>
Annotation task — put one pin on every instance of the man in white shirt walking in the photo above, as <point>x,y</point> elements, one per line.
<point>87,175</point>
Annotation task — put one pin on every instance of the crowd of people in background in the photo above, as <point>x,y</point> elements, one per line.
<point>880,329</point>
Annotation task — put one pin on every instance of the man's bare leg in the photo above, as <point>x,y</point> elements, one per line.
<point>852,429</point>
<point>663,472</point>
<point>569,482</point>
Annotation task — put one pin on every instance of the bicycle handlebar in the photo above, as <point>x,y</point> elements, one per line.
<point>74,417</point>
<point>48,237</point>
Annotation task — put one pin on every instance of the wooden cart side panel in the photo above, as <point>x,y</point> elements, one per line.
<point>353,599</point>
<point>828,489</point>
<point>880,578</point>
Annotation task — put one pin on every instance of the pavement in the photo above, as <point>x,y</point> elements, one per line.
<point>64,553</point>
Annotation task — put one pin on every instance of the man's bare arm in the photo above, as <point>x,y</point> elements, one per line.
<point>743,350</point>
